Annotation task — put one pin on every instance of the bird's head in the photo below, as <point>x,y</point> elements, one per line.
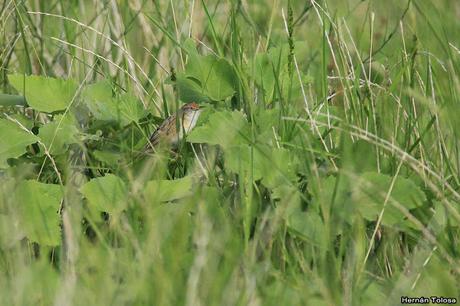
<point>190,113</point>
<point>193,106</point>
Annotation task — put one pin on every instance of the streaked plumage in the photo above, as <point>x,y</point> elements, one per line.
<point>166,132</point>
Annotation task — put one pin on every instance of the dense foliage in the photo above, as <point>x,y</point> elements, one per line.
<point>324,168</point>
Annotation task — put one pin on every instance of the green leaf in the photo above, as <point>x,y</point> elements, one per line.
<point>109,157</point>
<point>223,128</point>
<point>98,93</point>
<point>104,106</point>
<point>276,167</point>
<point>333,195</point>
<point>264,75</point>
<point>363,155</point>
<point>100,101</point>
<point>59,133</point>
<point>43,93</point>
<point>238,160</point>
<point>38,205</point>
<point>271,68</point>
<point>13,141</point>
<point>215,75</point>
<point>267,119</point>
<point>288,199</point>
<point>369,195</point>
<point>106,194</point>
<point>190,89</point>
<point>281,168</point>
<point>131,109</point>
<point>168,190</point>
<point>307,225</point>
<point>25,121</point>
<point>443,217</point>
<point>267,122</point>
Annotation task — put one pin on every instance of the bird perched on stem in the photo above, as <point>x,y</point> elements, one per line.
<point>172,130</point>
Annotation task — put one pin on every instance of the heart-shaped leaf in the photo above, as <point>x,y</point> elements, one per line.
<point>105,106</point>
<point>13,141</point>
<point>371,189</point>
<point>106,194</point>
<point>223,128</point>
<point>158,191</point>
<point>57,134</point>
<point>38,206</point>
<point>206,78</point>
<point>43,93</point>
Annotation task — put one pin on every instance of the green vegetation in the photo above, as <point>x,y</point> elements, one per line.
<point>323,170</point>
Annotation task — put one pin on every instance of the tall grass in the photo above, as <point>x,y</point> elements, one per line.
<point>350,114</point>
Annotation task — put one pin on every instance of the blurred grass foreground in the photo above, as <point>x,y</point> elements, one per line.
<point>324,168</point>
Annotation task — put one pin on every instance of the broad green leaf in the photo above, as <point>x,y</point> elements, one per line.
<point>26,122</point>
<point>369,193</point>
<point>265,71</point>
<point>281,168</point>
<point>190,90</point>
<point>108,157</point>
<point>100,101</point>
<point>307,225</point>
<point>332,195</point>
<point>443,217</point>
<point>106,194</point>
<point>13,141</point>
<point>131,109</point>
<point>59,133</point>
<point>276,167</point>
<point>267,119</point>
<point>223,128</point>
<point>363,155</point>
<point>43,93</point>
<point>288,199</point>
<point>215,75</point>
<point>357,156</point>
<point>267,122</point>
<point>168,190</point>
<point>246,161</point>
<point>98,93</point>
<point>105,106</point>
<point>38,205</point>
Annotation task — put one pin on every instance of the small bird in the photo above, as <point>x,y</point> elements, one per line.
<point>167,131</point>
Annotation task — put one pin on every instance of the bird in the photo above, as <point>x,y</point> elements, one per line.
<point>185,119</point>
